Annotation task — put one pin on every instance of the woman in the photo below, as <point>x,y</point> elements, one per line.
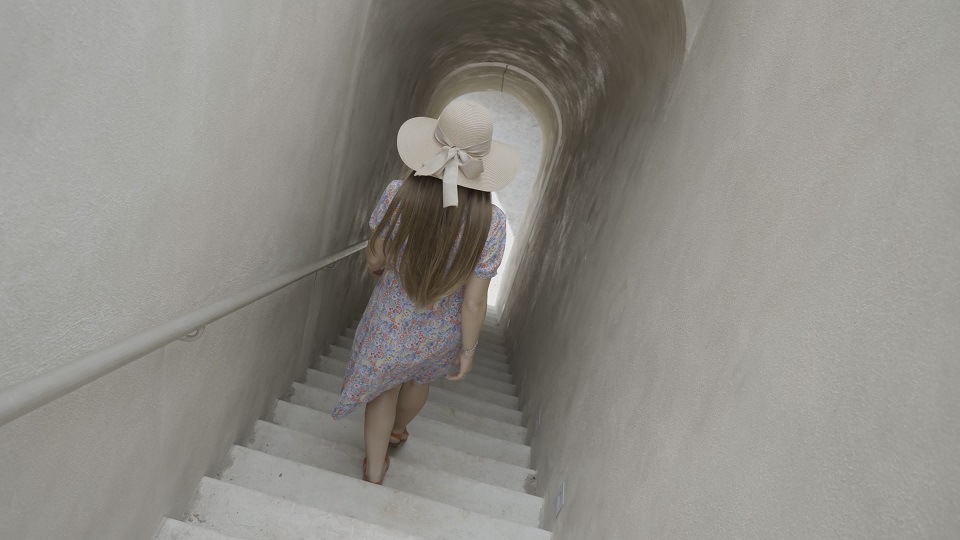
<point>437,241</point>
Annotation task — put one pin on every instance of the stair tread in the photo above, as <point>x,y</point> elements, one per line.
<point>338,366</point>
<point>343,495</point>
<point>320,382</point>
<point>479,376</point>
<point>172,529</point>
<point>250,514</point>
<point>428,429</point>
<point>494,361</point>
<point>429,482</point>
<point>483,377</point>
<point>492,373</point>
<point>487,343</point>
<point>488,324</point>
<point>459,401</point>
<point>416,450</point>
<point>486,335</point>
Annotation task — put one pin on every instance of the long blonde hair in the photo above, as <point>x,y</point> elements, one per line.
<point>434,264</point>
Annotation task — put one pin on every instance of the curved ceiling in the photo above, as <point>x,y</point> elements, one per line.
<point>594,72</point>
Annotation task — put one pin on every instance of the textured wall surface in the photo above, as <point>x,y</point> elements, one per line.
<point>760,338</point>
<point>157,157</point>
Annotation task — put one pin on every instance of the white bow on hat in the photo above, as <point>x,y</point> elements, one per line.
<point>452,160</point>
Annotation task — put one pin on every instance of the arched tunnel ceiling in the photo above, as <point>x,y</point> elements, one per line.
<point>590,53</point>
<point>607,63</point>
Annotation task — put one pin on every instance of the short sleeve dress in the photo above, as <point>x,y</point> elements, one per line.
<point>397,342</point>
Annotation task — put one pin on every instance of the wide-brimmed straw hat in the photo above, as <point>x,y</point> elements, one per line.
<point>458,148</point>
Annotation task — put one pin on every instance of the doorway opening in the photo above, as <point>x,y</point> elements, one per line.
<point>516,126</point>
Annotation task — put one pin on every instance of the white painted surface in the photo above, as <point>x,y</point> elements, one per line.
<point>465,387</point>
<point>254,515</point>
<point>391,508</point>
<point>423,480</point>
<point>416,450</point>
<point>758,337</point>
<point>300,475</point>
<point>186,153</point>
<point>452,398</point>
<point>443,433</point>
<point>173,529</point>
<point>489,362</point>
<point>323,392</point>
<point>155,158</point>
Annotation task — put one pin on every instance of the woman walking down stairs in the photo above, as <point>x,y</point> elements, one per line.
<point>462,474</point>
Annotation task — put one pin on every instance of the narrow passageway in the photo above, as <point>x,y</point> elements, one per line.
<point>729,310</point>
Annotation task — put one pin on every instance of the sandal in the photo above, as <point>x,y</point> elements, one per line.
<point>401,438</point>
<point>386,467</point>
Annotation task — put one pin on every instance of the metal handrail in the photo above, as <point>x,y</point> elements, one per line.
<point>29,395</point>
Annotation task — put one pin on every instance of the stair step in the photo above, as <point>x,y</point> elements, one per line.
<point>314,395</point>
<point>343,352</point>
<point>241,512</point>
<point>353,497</point>
<point>489,323</point>
<point>416,450</point>
<point>510,401</point>
<point>487,359</point>
<point>478,379</point>
<point>504,385</point>
<point>473,495</point>
<point>491,346</point>
<point>338,366</point>
<point>172,529</point>
<point>333,383</point>
<point>498,349</point>
<point>498,374</point>
<point>491,337</point>
<point>486,335</point>
<point>431,430</point>
<point>488,373</point>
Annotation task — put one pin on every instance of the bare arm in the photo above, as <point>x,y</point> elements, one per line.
<point>472,314</point>
<point>376,260</point>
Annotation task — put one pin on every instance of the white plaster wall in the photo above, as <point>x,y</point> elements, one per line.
<point>155,157</point>
<point>761,340</point>
<point>693,11</point>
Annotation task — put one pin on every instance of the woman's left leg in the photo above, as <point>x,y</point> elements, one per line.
<point>413,396</point>
<point>378,419</point>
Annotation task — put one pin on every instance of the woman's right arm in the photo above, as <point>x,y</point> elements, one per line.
<point>472,313</point>
<point>376,260</point>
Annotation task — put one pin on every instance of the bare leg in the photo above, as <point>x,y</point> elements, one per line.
<point>412,398</point>
<point>378,418</point>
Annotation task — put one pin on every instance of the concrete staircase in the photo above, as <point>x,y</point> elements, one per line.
<point>463,474</point>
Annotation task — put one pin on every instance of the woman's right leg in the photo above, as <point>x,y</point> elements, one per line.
<point>412,398</point>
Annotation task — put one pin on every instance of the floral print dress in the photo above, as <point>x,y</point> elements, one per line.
<point>397,342</point>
